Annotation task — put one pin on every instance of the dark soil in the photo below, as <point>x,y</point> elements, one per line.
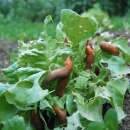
<point>126,122</point>
<point>7,47</point>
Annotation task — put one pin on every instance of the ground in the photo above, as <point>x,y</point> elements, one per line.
<point>126,122</point>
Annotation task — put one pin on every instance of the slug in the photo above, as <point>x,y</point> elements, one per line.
<point>89,56</point>
<point>61,72</point>
<point>60,113</point>
<point>111,49</point>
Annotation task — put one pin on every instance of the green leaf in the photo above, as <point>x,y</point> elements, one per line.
<point>122,44</point>
<point>3,88</point>
<point>111,120</point>
<point>6,110</point>
<point>70,104</point>
<point>26,94</point>
<point>102,92</point>
<point>73,122</point>
<point>15,123</point>
<point>31,56</point>
<point>45,104</point>
<point>91,110</point>
<point>117,66</point>
<point>76,27</point>
<point>117,88</point>
<point>9,73</point>
<point>24,72</point>
<point>102,75</point>
<point>10,69</point>
<point>82,80</point>
<point>96,126</point>
<point>42,55</point>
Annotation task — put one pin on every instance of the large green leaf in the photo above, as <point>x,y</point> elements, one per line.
<point>77,27</point>
<point>24,72</point>
<point>117,88</point>
<point>96,126</point>
<point>91,110</point>
<point>117,66</point>
<point>15,123</point>
<point>26,92</point>
<point>111,120</point>
<point>6,110</point>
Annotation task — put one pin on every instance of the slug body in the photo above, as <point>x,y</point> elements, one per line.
<point>111,49</point>
<point>62,75</point>
<point>90,56</point>
<point>61,87</point>
<point>60,113</point>
<point>58,73</point>
<point>61,72</point>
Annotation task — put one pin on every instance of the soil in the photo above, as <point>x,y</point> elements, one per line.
<point>126,122</point>
<point>7,47</point>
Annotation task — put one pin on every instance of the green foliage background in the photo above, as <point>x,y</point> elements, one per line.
<point>36,10</point>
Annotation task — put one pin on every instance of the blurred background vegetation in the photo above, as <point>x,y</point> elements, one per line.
<point>23,19</point>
